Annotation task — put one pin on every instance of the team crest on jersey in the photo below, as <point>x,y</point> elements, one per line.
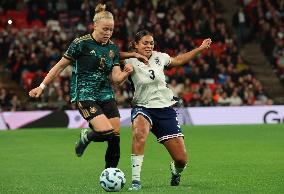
<point>157,61</point>
<point>111,53</point>
<point>102,63</point>
<point>93,110</point>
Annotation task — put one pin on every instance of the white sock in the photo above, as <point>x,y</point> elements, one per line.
<point>176,170</point>
<point>136,163</point>
<point>85,138</point>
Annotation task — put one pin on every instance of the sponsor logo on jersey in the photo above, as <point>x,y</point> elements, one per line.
<point>93,52</point>
<point>102,63</point>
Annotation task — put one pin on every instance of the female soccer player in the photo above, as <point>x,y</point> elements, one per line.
<point>153,102</point>
<point>93,58</point>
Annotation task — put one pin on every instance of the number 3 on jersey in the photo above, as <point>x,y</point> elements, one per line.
<point>152,76</point>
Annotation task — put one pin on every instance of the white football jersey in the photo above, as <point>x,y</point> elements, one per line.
<point>149,82</point>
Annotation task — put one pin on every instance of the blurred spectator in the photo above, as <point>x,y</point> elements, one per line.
<point>267,22</point>
<point>207,93</point>
<point>15,103</point>
<point>240,22</point>
<point>4,98</point>
<point>235,99</point>
<point>175,87</point>
<point>223,100</point>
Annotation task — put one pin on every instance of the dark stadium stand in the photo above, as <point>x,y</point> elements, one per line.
<point>42,30</point>
<point>267,18</point>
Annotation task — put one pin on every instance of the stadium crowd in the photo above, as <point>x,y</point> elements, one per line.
<point>267,18</point>
<point>40,31</point>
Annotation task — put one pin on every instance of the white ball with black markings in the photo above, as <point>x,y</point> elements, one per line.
<point>112,179</point>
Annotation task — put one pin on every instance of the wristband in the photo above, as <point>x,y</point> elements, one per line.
<point>42,86</point>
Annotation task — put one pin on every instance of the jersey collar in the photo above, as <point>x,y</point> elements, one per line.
<point>99,43</point>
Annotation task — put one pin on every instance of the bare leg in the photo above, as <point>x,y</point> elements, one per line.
<point>177,150</point>
<point>140,132</point>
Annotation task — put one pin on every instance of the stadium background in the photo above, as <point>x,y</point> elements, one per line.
<point>246,58</point>
<point>244,69</point>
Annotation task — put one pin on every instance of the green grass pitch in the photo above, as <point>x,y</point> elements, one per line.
<point>223,159</point>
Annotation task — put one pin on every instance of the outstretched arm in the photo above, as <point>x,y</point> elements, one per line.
<point>184,58</point>
<point>52,74</point>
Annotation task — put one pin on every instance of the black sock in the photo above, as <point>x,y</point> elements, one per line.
<point>113,152</point>
<point>100,136</point>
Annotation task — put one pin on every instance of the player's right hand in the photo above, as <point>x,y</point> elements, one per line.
<point>206,43</point>
<point>128,68</point>
<point>36,92</point>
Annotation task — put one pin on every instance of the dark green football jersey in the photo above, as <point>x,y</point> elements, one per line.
<point>92,65</point>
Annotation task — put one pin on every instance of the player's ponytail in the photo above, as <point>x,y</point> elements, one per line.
<point>131,46</point>
<point>100,7</point>
<point>100,13</point>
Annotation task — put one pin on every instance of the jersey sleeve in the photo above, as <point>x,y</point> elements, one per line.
<point>73,51</point>
<point>126,61</point>
<point>167,59</point>
<point>133,61</point>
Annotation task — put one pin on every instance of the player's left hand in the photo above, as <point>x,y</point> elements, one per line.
<point>128,68</point>
<point>206,43</point>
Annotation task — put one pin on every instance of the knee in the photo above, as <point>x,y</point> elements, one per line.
<point>139,136</point>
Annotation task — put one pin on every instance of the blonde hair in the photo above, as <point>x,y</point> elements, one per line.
<point>100,13</point>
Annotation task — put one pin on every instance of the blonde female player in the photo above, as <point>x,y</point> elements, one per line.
<point>94,57</point>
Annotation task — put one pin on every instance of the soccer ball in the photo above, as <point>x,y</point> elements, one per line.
<point>112,179</point>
